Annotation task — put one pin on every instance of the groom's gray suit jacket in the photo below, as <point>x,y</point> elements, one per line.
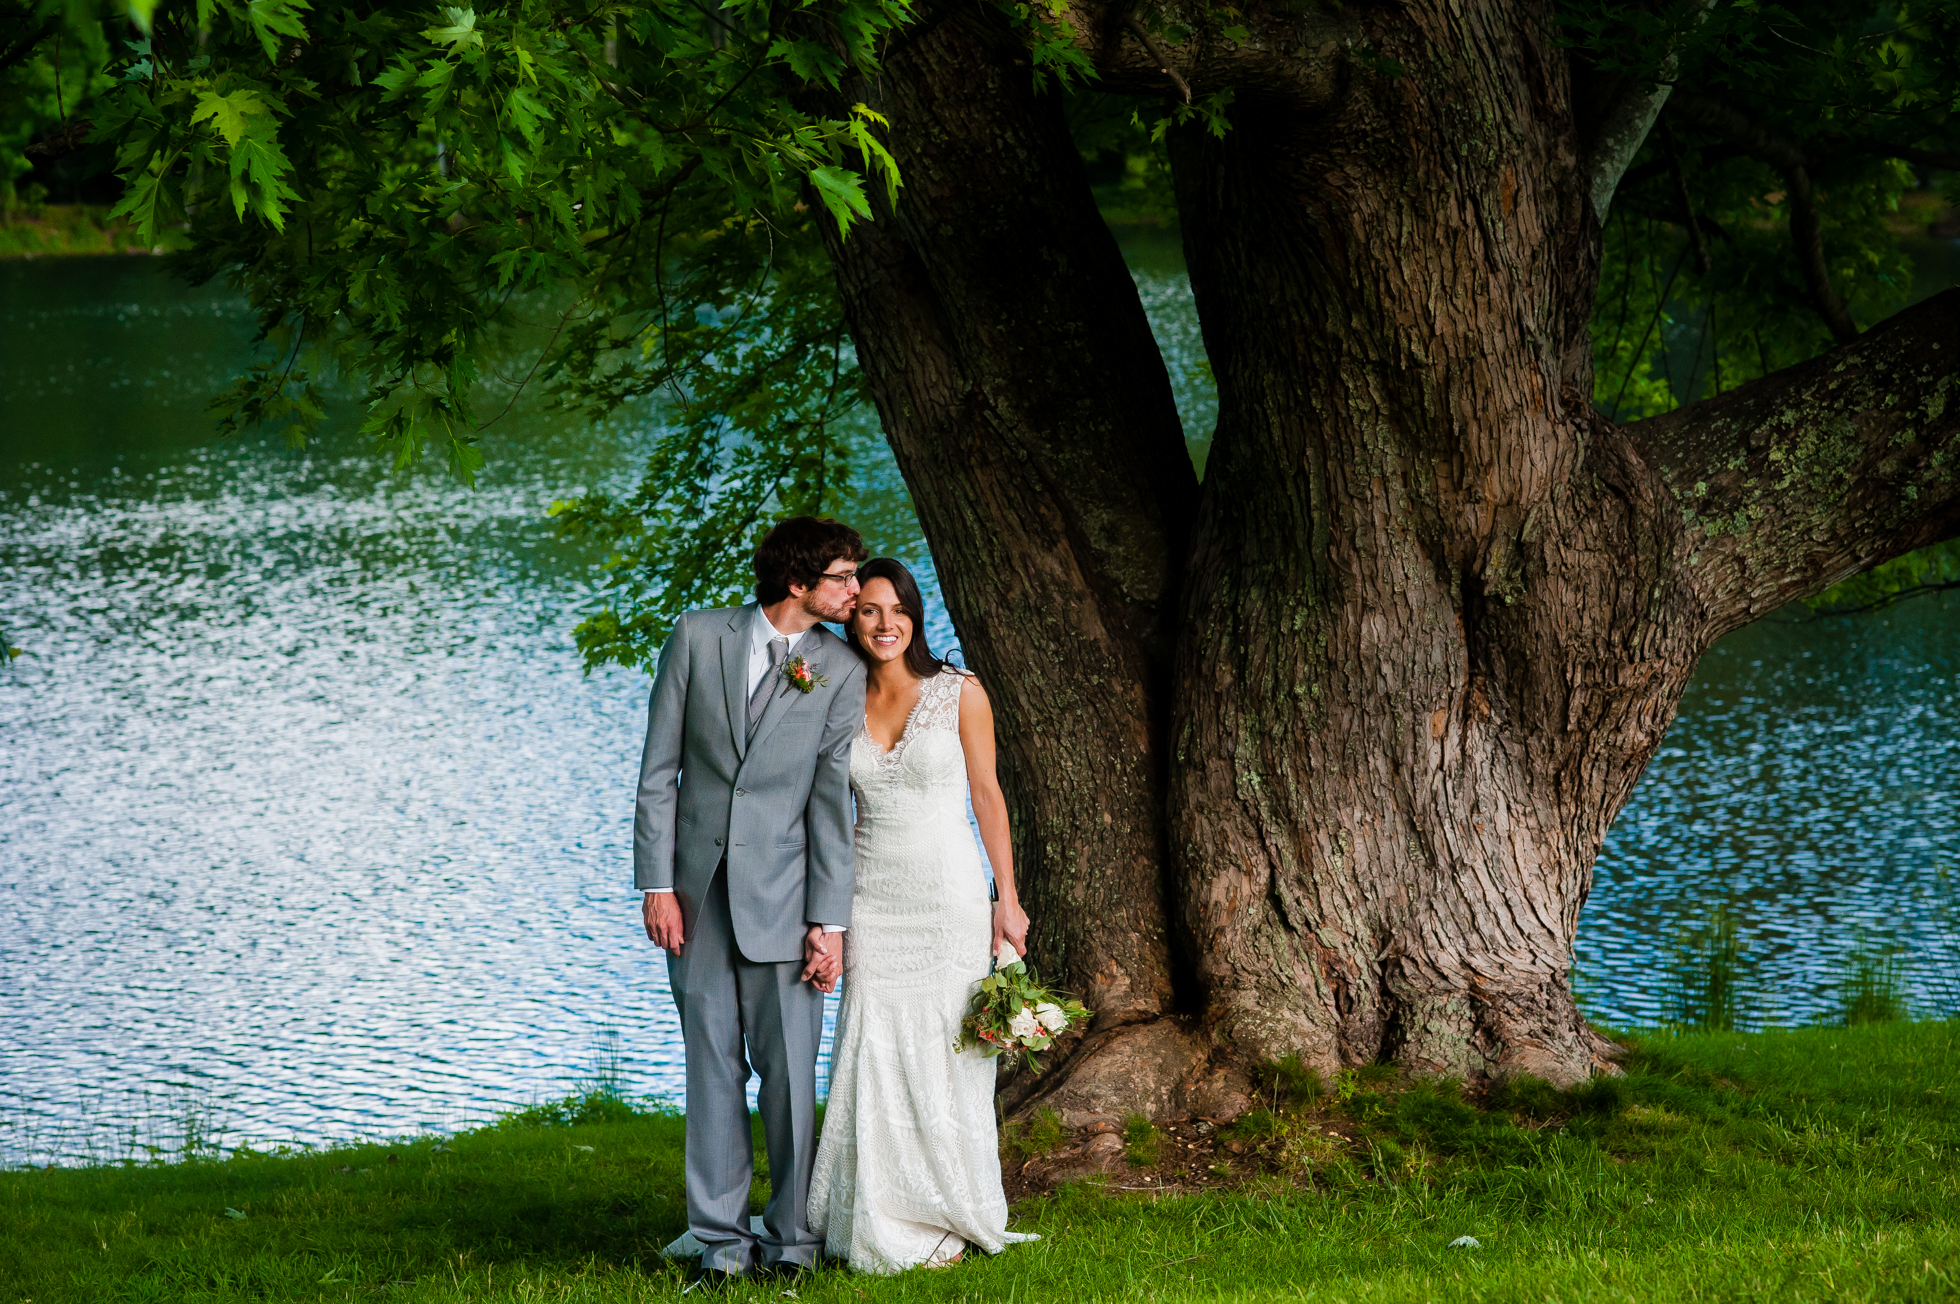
<point>777,806</point>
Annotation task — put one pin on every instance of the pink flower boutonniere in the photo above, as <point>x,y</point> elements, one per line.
<point>797,671</point>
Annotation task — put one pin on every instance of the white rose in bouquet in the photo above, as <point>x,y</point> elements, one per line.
<point>1051,1016</point>
<point>1024,1025</point>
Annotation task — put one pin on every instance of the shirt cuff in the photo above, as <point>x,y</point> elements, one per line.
<point>667,890</point>
<point>833,928</point>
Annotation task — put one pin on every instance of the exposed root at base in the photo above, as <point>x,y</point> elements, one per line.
<point>1297,1130</point>
<point>1161,1069</point>
<point>1166,1070</point>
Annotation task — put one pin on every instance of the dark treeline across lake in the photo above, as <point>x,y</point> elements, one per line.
<point>310,820</point>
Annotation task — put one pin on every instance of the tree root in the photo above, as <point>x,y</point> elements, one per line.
<point>1166,1070</point>
<point>1162,1069</point>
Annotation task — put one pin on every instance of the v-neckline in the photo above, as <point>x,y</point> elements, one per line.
<point>904,730</point>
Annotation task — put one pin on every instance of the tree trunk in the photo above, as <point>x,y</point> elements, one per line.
<point>1392,779</point>
<point>1439,613</point>
<point>1432,614</point>
<point>1032,416</point>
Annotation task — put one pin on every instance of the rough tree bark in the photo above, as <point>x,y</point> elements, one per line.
<point>1347,740</point>
<point>1032,417</point>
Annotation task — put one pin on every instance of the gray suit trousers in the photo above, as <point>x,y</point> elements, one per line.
<point>727,1000</point>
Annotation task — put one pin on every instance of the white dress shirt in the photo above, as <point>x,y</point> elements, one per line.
<point>760,632</point>
<point>759,635</point>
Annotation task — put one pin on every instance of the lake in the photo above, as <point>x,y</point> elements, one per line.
<point>313,829</point>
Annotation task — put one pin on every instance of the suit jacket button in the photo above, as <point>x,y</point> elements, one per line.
<point>740,793</point>
<point>717,842</point>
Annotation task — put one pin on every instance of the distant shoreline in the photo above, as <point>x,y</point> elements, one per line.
<point>70,231</point>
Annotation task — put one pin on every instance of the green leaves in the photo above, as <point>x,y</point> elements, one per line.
<point>526,113</point>
<point>1679,316</point>
<point>842,192</point>
<point>1932,569</point>
<point>259,171</point>
<point>859,129</point>
<point>457,30</point>
<point>749,382</point>
<point>229,113</point>
<point>405,188</point>
<point>259,168</point>
<point>145,197</point>
<point>268,20</point>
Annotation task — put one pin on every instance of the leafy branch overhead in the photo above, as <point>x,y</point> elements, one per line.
<point>762,397</point>
<point>396,181</point>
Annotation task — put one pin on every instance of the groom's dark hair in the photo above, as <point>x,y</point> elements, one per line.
<point>798,551</point>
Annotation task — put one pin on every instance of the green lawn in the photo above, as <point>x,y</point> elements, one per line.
<point>1814,1164</point>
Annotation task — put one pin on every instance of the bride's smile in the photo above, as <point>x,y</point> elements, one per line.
<point>883,625</point>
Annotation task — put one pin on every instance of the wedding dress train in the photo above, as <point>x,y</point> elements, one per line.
<point>908,1167</point>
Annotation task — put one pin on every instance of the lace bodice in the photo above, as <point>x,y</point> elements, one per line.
<point>922,779</point>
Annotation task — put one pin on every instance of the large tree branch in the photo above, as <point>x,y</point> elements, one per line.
<point>1623,127</point>
<point>1296,54</point>
<point>1622,132</point>
<point>1795,481</point>
<point>1029,408</point>
<point>1806,225</point>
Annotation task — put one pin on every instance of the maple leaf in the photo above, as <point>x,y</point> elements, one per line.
<point>229,113</point>
<point>460,29</point>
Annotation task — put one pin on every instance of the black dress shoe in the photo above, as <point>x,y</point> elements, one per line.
<point>785,1271</point>
<point>712,1279</point>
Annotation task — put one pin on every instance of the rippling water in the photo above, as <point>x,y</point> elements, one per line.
<point>304,802</point>
<point>1811,784</point>
<point>312,827</point>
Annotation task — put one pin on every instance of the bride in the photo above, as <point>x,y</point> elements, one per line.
<point>908,1168</point>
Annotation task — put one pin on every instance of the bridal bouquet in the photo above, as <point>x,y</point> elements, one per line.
<point>1013,1013</point>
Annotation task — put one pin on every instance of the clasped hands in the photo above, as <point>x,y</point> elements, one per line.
<point>823,958</point>
<point>823,953</point>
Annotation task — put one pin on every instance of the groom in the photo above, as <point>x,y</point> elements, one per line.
<point>742,844</point>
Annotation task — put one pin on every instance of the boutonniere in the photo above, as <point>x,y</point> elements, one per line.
<point>797,671</point>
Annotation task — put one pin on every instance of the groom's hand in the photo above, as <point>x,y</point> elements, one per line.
<point>822,958</point>
<point>662,913</point>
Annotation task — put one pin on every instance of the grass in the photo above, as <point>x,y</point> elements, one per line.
<point>1710,976</point>
<point>1811,1164</point>
<point>1873,986</point>
<point>1141,1140</point>
<point>1041,1134</point>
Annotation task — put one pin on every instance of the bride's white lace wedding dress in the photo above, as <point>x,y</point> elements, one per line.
<point>908,1168</point>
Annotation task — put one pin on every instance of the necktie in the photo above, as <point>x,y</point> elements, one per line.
<point>778,651</point>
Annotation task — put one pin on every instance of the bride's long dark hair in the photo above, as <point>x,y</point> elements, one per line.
<point>918,657</point>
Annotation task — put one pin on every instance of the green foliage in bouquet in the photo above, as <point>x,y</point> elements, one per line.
<point>1013,1013</point>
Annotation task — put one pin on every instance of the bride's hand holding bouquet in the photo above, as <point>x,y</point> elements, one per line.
<point>1013,1014</point>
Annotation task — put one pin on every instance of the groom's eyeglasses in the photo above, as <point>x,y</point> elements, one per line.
<point>842,577</point>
